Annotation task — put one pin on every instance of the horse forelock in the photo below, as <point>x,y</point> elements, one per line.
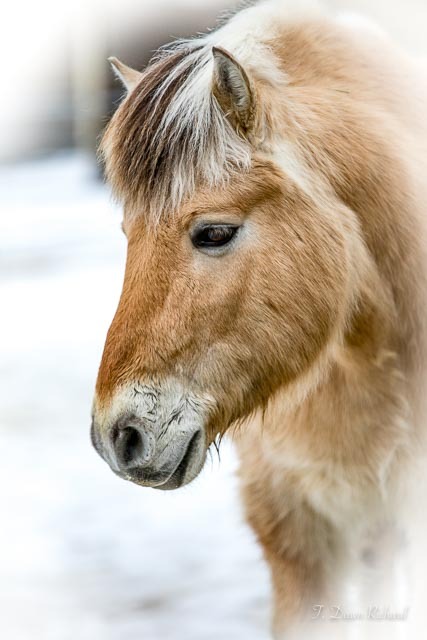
<point>170,135</point>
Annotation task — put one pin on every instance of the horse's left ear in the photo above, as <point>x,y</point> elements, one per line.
<point>233,90</point>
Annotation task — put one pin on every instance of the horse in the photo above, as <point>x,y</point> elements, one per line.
<point>272,177</point>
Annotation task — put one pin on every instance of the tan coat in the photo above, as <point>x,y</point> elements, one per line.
<point>307,338</point>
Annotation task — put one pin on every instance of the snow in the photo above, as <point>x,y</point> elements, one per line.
<point>84,554</point>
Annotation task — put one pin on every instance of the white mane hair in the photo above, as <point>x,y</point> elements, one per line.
<point>170,134</point>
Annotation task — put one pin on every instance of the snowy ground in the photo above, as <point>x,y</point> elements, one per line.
<point>82,553</point>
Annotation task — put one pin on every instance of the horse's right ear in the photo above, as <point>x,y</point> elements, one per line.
<point>129,77</point>
<point>233,90</point>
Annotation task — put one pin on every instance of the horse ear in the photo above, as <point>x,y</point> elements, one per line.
<point>129,77</point>
<point>233,90</point>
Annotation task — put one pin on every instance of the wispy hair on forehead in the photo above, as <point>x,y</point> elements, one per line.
<point>170,134</point>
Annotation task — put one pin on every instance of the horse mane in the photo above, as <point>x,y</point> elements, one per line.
<point>170,135</point>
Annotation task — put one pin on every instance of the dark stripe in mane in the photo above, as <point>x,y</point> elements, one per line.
<point>169,134</point>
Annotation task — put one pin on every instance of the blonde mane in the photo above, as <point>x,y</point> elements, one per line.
<point>170,134</point>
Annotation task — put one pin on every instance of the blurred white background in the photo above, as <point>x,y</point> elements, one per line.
<point>83,554</point>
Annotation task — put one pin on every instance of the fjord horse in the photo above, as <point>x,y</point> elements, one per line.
<point>272,175</point>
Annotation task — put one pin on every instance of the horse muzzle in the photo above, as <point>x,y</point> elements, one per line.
<point>150,450</point>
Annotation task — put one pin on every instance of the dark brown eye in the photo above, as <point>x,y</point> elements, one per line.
<point>212,236</point>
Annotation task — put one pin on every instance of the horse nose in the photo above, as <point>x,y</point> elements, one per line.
<point>133,445</point>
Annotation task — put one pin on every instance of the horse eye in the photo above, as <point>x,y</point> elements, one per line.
<point>212,236</point>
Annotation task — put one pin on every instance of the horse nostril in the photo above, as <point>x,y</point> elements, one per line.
<point>131,444</point>
<point>132,447</point>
